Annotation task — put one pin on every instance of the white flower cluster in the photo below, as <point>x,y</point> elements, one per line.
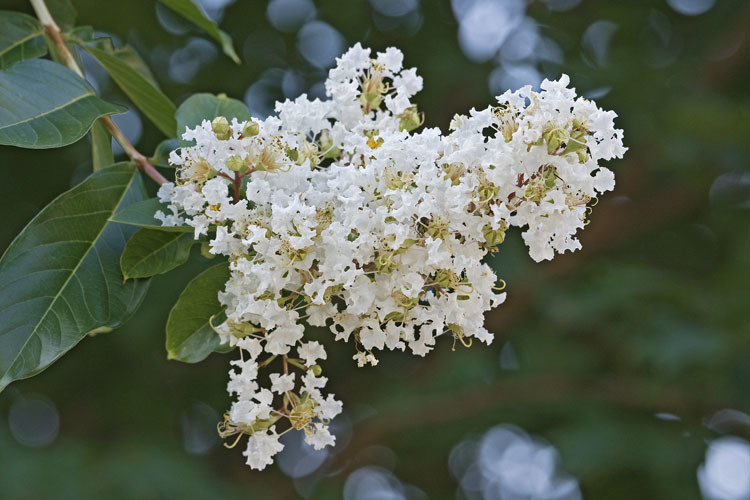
<point>336,214</point>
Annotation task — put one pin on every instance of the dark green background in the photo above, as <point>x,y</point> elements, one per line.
<point>652,316</point>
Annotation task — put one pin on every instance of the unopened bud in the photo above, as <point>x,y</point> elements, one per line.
<point>251,129</point>
<point>410,119</point>
<point>554,138</point>
<point>205,247</point>
<point>493,237</point>
<point>220,126</point>
<point>236,164</point>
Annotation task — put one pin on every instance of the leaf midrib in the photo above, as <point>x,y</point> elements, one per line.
<point>159,249</point>
<point>46,113</point>
<point>21,41</point>
<point>67,280</point>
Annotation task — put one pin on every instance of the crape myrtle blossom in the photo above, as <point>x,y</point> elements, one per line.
<point>339,214</point>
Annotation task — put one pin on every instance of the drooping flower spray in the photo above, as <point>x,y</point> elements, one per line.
<point>338,214</point>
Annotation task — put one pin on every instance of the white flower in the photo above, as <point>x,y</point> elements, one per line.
<point>261,447</point>
<point>282,383</point>
<point>320,437</point>
<point>311,352</point>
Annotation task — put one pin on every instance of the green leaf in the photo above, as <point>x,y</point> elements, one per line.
<point>150,252</point>
<point>45,105</point>
<point>63,13</point>
<point>85,34</point>
<point>60,278</point>
<point>139,88</point>
<point>21,37</point>
<point>141,214</point>
<point>161,154</point>
<point>101,146</point>
<point>199,107</point>
<point>190,337</point>
<point>128,55</point>
<point>190,11</point>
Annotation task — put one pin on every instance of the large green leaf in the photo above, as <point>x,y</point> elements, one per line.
<point>138,86</point>
<point>60,278</point>
<point>45,105</point>
<point>190,337</point>
<point>141,214</point>
<point>150,252</point>
<point>190,11</point>
<point>199,107</point>
<point>21,37</point>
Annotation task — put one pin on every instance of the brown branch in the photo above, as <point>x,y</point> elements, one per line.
<point>53,31</point>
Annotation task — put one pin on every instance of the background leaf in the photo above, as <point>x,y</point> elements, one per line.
<point>150,252</point>
<point>133,59</point>
<point>139,87</point>
<point>60,278</point>
<point>193,13</point>
<point>21,37</point>
<point>199,107</point>
<point>45,105</point>
<point>63,13</point>
<point>126,53</point>
<point>101,146</point>
<point>142,214</point>
<point>160,158</point>
<point>190,337</point>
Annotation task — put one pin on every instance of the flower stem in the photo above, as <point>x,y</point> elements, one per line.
<point>53,31</point>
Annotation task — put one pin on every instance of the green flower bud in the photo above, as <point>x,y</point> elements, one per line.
<point>251,129</point>
<point>220,126</point>
<point>493,237</point>
<point>293,154</point>
<point>410,119</point>
<point>205,247</point>
<point>554,137</point>
<point>317,370</point>
<point>236,164</point>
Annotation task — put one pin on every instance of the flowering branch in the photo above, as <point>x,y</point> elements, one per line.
<point>53,30</point>
<point>354,222</point>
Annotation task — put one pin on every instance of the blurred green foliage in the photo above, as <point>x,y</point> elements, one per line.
<point>651,317</point>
